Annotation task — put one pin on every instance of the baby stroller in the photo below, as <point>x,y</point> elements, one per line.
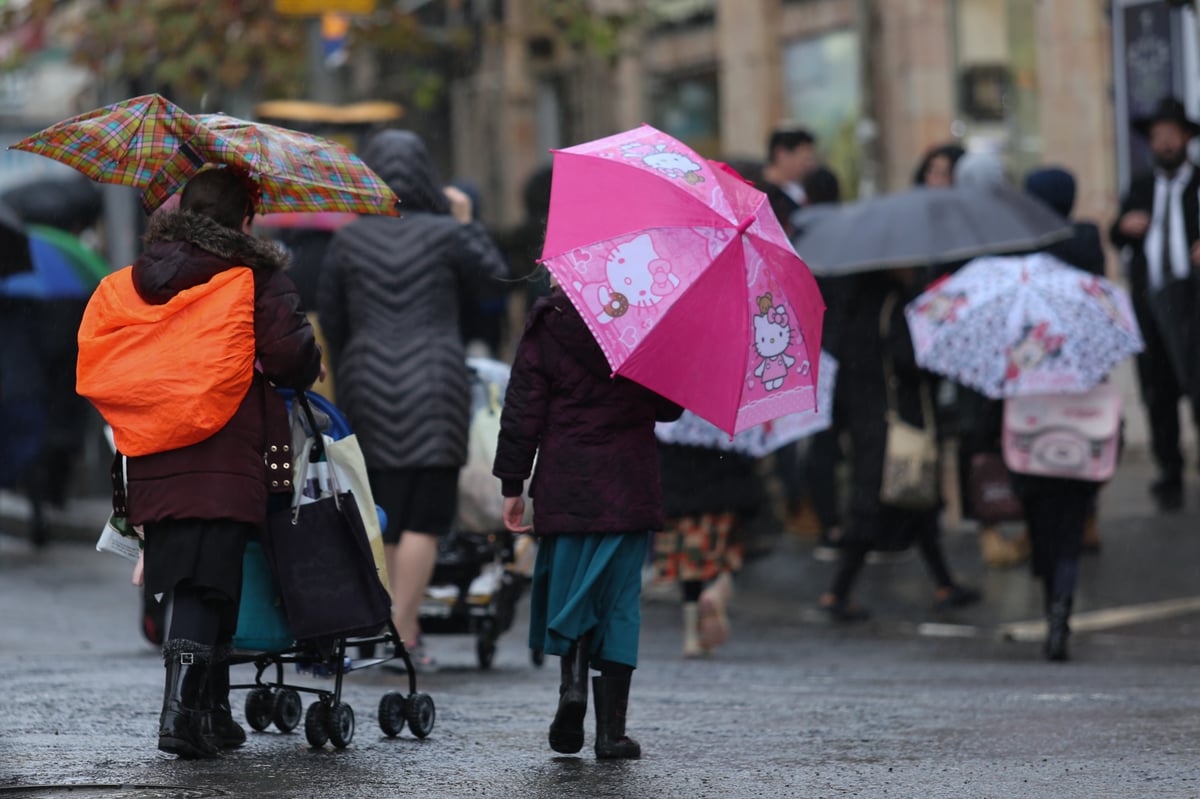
<point>482,569</point>
<point>264,639</point>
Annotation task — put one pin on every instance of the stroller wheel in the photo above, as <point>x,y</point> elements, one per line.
<point>287,711</point>
<point>393,710</point>
<point>260,704</point>
<point>339,721</point>
<point>421,714</point>
<point>315,728</point>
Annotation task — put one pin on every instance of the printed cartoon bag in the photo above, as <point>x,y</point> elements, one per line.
<point>1064,435</point>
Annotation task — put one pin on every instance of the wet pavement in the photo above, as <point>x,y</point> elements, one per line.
<point>910,704</point>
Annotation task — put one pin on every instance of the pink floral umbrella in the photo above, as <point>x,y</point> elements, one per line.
<point>685,278</point>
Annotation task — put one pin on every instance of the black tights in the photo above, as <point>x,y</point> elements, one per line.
<point>202,615</point>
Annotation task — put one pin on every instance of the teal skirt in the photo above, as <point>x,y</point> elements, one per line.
<point>588,583</point>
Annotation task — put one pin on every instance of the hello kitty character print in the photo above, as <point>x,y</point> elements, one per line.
<point>637,278</point>
<point>772,335</point>
<point>1035,347</point>
<point>667,162</point>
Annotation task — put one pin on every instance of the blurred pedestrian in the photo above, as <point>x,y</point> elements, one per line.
<point>522,244</point>
<point>936,169</point>
<point>817,477</point>
<point>389,301</point>
<point>876,342</point>
<point>980,419</point>
<point>1157,231</point>
<point>791,155</point>
<point>484,313</point>
<point>1056,187</point>
<point>707,496</point>
<point>201,502</point>
<point>597,493</point>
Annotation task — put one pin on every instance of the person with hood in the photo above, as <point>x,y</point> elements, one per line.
<point>597,494</point>
<point>199,503</point>
<point>389,303</point>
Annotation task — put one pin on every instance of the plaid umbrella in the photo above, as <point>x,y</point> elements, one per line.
<point>129,142</point>
<point>301,172</point>
<point>150,143</point>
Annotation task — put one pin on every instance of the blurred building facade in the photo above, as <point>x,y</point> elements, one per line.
<point>878,81</point>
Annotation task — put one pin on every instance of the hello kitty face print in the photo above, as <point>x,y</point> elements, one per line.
<point>637,277</point>
<point>772,335</point>
<point>668,162</point>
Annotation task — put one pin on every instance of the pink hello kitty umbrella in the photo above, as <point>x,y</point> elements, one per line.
<point>684,276</point>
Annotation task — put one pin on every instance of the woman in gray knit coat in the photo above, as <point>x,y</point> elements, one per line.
<point>389,302</point>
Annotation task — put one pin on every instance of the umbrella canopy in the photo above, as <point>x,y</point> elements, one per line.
<point>302,172</point>
<point>1023,325</point>
<point>14,243</point>
<point>63,268</point>
<point>150,143</point>
<point>71,203</point>
<point>129,142</point>
<point>685,278</point>
<point>926,227</point>
<point>757,442</point>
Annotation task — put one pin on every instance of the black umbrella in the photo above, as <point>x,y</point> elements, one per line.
<point>14,244</point>
<point>69,203</point>
<point>927,227</point>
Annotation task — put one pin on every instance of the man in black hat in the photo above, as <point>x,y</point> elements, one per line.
<point>1157,230</point>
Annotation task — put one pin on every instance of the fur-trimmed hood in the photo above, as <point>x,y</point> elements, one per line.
<point>184,249</point>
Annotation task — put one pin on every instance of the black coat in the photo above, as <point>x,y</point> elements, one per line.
<point>388,302</point>
<point>696,481</point>
<point>861,396</point>
<point>593,435</point>
<point>1140,197</point>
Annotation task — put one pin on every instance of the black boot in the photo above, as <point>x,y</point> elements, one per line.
<point>611,702</point>
<point>183,725</point>
<point>226,733</point>
<point>566,731</point>
<point>1057,618</point>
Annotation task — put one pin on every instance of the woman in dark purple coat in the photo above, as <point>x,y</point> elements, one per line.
<point>596,495</point>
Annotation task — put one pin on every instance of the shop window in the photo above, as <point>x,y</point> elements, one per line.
<point>687,108</point>
<point>823,93</point>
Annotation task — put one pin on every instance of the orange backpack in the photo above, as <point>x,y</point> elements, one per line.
<point>167,376</point>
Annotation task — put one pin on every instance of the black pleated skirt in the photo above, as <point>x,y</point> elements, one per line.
<point>206,552</point>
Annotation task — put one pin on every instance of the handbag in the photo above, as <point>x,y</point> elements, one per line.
<point>321,559</point>
<point>262,623</point>
<point>910,459</point>
<point>1075,436</point>
<point>990,496</point>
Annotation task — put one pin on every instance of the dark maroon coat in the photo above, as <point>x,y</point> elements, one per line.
<point>229,474</point>
<point>597,458</point>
